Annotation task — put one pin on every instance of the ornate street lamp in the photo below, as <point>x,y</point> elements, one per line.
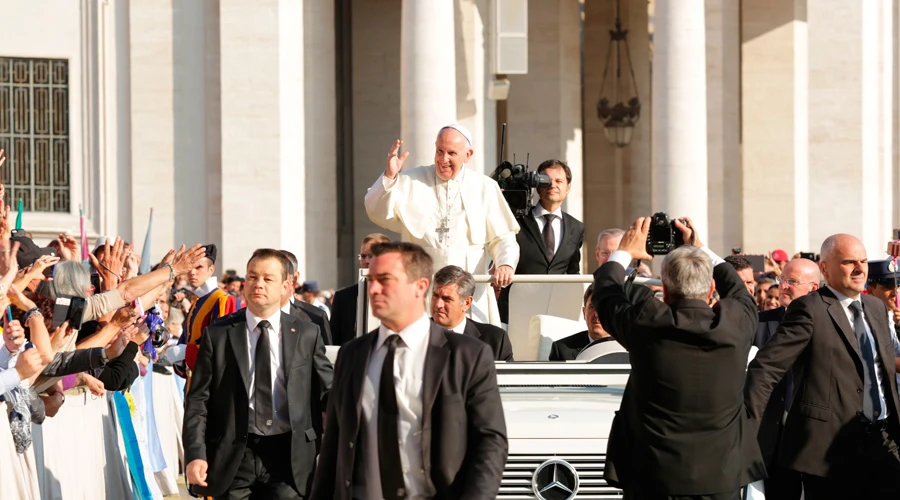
<point>620,117</point>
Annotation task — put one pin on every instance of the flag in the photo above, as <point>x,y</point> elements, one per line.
<point>19,216</point>
<point>145,254</point>
<point>84,241</point>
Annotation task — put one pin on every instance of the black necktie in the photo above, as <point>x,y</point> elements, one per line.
<point>549,235</point>
<point>392,485</point>
<point>262,407</point>
<point>872,408</point>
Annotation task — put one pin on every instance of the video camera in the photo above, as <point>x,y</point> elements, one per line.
<point>664,236</point>
<point>517,183</point>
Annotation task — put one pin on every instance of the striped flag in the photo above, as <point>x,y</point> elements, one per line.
<point>145,253</point>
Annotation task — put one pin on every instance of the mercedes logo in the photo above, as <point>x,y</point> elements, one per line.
<point>555,480</point>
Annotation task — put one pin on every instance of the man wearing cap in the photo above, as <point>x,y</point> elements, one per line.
<point>453,212</point>
<point>209,304</point>
<point>883,281</point>
<point>310,292</point>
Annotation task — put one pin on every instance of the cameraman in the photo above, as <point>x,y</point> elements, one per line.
<point>682,428</point>
<point>550,240</point>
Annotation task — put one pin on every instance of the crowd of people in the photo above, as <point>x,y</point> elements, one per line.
<point>412,409</point>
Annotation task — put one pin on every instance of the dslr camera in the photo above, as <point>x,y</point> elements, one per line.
<point>518,184</point>
<point>664,236</point>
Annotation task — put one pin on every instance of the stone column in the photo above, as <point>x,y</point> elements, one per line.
<point>321,142</point>
<point>474,109</point>
<point>723,80</point>
<point>544,106</point>
<point>152,124</point>
<point>851,137</point>
<point>774,116</point>
<point>427,76</point>
<point>263,196</point>
<point>679,111</point>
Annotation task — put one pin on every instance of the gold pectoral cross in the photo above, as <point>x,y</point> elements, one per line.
<point>443,231</point>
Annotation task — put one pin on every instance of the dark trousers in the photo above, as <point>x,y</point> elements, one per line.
<point>640,495</point>
<point>265,471</point>
<point>783,484</point>
<point>872,472</point>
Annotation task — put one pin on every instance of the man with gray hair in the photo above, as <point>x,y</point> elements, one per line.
<point>607,243</point>
<point>682,429</point>
<point>451,298</point>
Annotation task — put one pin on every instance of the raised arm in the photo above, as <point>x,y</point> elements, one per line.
<point>381,198</point>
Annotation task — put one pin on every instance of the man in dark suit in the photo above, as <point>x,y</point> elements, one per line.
<point>567,349</point>
<point>418,412</point>
<point>799,277</point>
<point>841,431</point>
<point>451,297</point>
<point>343,306</point>
<point>682,430</point>
<point>550,240</point>
<point>248,424</point>
<point>308,310</point>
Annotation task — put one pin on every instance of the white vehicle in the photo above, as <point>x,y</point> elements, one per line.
<point>558,414</point>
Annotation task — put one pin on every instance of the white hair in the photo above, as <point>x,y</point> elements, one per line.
<point>614,233</point>
<point>687,273</point>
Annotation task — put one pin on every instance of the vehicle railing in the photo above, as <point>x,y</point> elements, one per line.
<point>365,321</point>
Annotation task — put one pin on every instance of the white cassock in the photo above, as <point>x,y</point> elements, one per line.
<point>415,204</point>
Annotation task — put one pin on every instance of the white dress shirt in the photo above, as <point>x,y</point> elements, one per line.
<point>409,375</point>
<point>211,284</point>
<point>460,328</point>
<point>281,422</point>
<point>879,363</point>
<point>538,212</point>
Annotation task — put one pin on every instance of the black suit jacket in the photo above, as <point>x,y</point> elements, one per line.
<point>682,428</point>
<point>216,411</point>
<point>772,422</point>
<point>493,336</point>
<point>463,429</point>
<point>309,312</point>
<point>343,314</point>
<point>533,253</point>
<point>817,342</point>
<point>567,349</point>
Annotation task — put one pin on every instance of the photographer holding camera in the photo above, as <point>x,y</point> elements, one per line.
<point>682,428</point>
<point>550,240</point>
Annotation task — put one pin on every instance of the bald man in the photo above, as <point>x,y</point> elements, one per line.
<point>842,427</point>
<point>458,215</point>
<point>800,277</point>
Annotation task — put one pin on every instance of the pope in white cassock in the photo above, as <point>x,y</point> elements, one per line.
<point>453,212</point>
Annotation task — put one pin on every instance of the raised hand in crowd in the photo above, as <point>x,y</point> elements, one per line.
<point>29,364</point>
<point>395,162</point>
<point>61,335</point>
<point>13,337</point>
<point>132,265</point>
<point>35,272</point>
<point>19,299</point>
<point>634,241</point>
<point>67,246</point>
<point>6,220</point>
<point>9,264</point>
<point>111,262</point>
<point>185,260</point>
